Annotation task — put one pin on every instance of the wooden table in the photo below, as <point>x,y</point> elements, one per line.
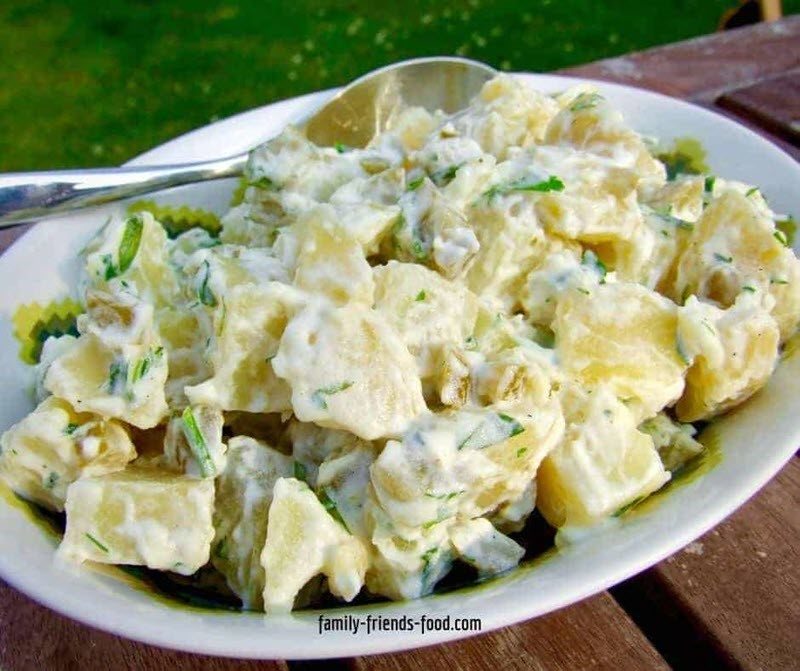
<point>730,600</point>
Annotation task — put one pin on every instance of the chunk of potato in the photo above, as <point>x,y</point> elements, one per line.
<point>602,464</point>
<point>303,540</point>
<point>349,369</point>
<point>733,351</point>
<point>241,510</point>
<point>140,516</point>
<point>126,384</point>
<point>428,311</point>
<point>249,326</point>
<point>735,248</point>
<point>54,446</point>
<point>331,262</point>
<point>623,335</point>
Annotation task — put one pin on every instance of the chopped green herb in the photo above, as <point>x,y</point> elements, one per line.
<point>71,428</point>
<point>340,147</point>
<point>197,443</point>
<point>492,430</point>
<point>591,260</point>
<point>420,296</point>
<point>750,192</point>
<point>96,542</point>
<point>131,239</point>
<point>109,269</point>
<point>552,183</point>
<point>585,101</point>
<point>444,176</point>
<point>418,250</point>
<point>414,184</point>
<point>583,291</point>
<point>788,227</point>
<point>320,394</point>
<point>143,365</point>
<point>262,182</point>
<point>204,293</point>
<point>118,377</point>
<point>521,451</point>
<point>780,236</point>
<point>221,549</point>
<point>330,505</point>
<point>431,523</point>
<point>445,497</point>
<point>300,471</point>
<point>471,343</point>
<point>708,185</point>
<point>722,258</point>
<point>686,157</point>
<point>777,280</point>
<point>747,287</point>
<point>624,509</point>
<point>51,480</point>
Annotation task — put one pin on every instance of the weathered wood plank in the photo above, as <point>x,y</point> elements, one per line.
<point>34,638</point>
<point>773,104</point>
<point>706,67</point>
<point>732,598</point>
<point>594,634</point>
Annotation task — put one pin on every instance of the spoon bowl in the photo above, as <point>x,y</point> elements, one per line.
<point>354,116</point>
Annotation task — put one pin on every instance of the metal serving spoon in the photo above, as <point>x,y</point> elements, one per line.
<point>353,117</point>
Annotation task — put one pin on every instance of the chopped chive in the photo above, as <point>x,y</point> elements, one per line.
<point>330,505</point>
<point>585,101</point>
<point>708,185</point>
<point>319,395</point>
<point>96,542</point>
<point>722,258</point>
<point>204,292</point>
<point>780,236</point>
<point>521,451</point>
<point>682,352</point>
<point>197,443</point>
<point>143,365</point>
<point>750,192</point>
<point>131,239</point>
<point>778,281</point>
<point>420,296</point>
<point>445,497</point>
<point>583,291</point>
<point>414,184</point>
<point>340,147</point>
<point>262,182</point>
<point>221,549</point>
<point>515,427</point>
<point>71,428</point>
<point>624,509</point>
<point>117,377</point>
<point>747,287</point>
<point>444,176</point>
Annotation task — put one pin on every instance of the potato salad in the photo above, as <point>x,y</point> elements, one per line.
<point>386,359</point>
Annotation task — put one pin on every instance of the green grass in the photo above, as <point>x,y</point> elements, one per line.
<point>87,83</point>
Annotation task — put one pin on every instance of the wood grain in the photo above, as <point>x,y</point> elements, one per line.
<point>733,594</point>
<point>595,634</point>
<point>706,67</point>
<point>773,104</point>
<point>34,638</point>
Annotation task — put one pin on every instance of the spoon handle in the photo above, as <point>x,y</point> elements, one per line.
<point>25,196</point>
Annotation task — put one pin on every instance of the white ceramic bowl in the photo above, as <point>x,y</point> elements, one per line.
<point>756,440</point>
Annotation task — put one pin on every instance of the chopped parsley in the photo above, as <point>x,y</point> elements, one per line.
<point>96,542</point>
<point>552,183</point>
<point>319,395</point>
<point>71,428</point>
<point>197,443</point>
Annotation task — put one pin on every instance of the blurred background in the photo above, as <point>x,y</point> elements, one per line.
<point>95,83</point>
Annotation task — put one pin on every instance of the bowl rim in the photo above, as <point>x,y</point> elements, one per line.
<point>493,616</point>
